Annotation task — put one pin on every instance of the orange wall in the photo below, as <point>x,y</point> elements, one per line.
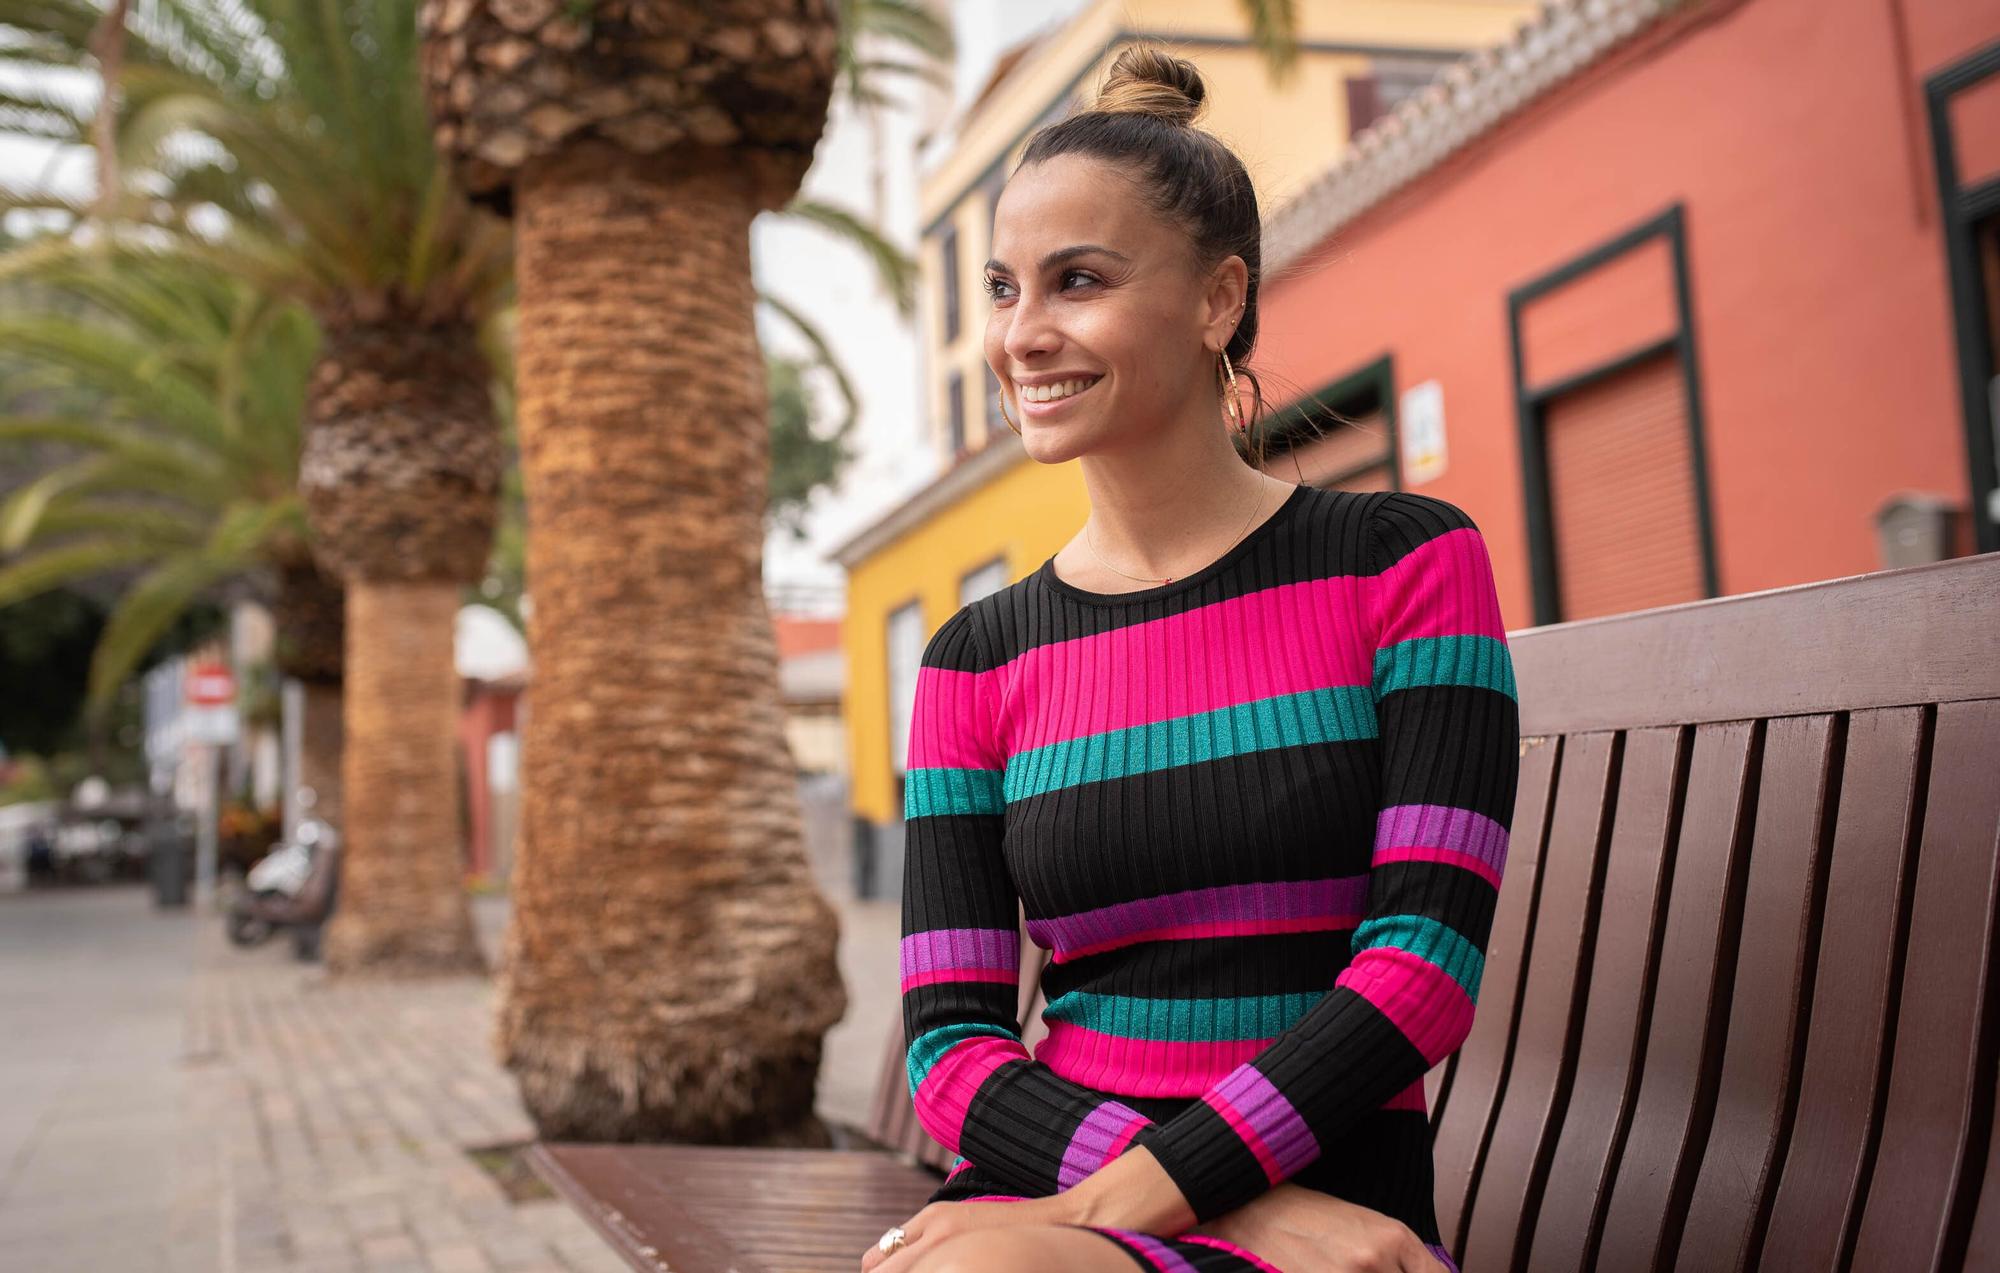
<point>1820,305</point>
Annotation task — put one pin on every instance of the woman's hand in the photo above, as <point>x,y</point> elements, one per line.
<point>1302,1230</point>
<point>940,1220</point>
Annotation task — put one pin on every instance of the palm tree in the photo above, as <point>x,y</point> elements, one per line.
<point>670,969</point>
<point>286,145</point>
<point>179,392</point>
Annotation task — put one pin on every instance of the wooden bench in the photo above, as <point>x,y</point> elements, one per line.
<point>1740,990</point>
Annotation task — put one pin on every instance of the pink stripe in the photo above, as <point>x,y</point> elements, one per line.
<point>1124,1138</point>
<point>1441,588</point>
<point>1140,1067</point>
<point>1206,912</point>
<point>1419,998</point>
<point>1216,928</point>
<point>995,1197</point>
<point>947,724</point>
<point>1246,1133</point>
<point>1411,1097</point>
<point>1455,857</point>
<point>1224,1244</point>
<point>965,1165</point>
<point>947,1091</point>
<point>915,979</point>
<point>1196,661</point>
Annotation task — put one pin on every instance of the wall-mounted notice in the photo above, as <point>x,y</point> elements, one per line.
<point>1420,428</point>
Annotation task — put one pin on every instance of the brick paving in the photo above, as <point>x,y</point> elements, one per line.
<point>177,1104</point>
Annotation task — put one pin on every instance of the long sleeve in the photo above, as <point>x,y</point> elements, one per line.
<point>976,1089</point>
<point>1449,726</point>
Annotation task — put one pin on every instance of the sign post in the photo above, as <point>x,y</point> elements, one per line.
<point>211,721</point>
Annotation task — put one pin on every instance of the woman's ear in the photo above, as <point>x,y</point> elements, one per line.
<point>1228,292</point>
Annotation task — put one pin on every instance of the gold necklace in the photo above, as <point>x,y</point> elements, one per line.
<point>1088,542</point>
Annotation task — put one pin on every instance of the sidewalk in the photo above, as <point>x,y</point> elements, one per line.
<point>173,1103</point>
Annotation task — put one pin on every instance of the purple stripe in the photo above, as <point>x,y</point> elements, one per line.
<point>1164,1257</point>
<point>1442,1254</point>
<point>942,948</point>
<point>1091,1145</point>
<point>1342,895</point>
<point>1265,1108</point>
<point>1445,827</point>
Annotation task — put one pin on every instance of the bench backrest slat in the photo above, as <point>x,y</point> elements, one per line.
<point>1825,1167</point>
<point>1604,1082</point>
<point>1460,1125</point>
<point>1940,1106</point>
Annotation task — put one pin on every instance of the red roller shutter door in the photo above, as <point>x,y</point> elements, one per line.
<point>1621,493</point>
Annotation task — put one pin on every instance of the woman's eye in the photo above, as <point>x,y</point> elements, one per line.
<point>1000,291</point>
<point>1087,277</point>
<point>994,287</point>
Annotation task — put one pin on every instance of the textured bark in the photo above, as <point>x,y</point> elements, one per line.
<point>511,82</point>
<point>320,750</point>
<point>401,464</point>
<point>310,615</point>
<point>403,907</point>
<point>670,970</point>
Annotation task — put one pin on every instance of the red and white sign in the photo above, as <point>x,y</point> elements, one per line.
<point>210,685</point>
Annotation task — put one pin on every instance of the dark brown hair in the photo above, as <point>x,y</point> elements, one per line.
<point>1143,119</point>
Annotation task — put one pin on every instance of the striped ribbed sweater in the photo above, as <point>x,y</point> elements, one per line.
<point>1257,815</point>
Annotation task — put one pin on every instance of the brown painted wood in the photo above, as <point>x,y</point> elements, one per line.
<point>1940,1109</point>
<point>1652,771</point>
<point>1649,1192</point>
<point>1774,968</point>
<point>1509,1178</point>
<point>1923,634</point>
<point>693,1207</point>
<point>1459,1136</point>
<point>1834,1125</point>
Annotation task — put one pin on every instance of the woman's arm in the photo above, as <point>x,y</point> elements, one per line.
<point>976,1089</point>
<point>1446,710</point>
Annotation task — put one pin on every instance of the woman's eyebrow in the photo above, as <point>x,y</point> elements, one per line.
<point>1063,254</point>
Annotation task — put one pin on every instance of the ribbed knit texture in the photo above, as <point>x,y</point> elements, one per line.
<point>1259,817</point>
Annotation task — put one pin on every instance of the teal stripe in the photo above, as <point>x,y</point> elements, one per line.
<point>1476,661</point>
<point>1341,713</point>
<point>934,791</point>
<point>1429,941</point>
<point>1181,1020</point>
<point>931,1045</point>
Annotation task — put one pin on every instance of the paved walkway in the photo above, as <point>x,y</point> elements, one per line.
<point>172,1103</point>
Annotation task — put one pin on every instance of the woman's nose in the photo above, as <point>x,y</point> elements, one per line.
<point>1029,330</point>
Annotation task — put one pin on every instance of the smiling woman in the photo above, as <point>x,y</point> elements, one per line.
<point>1256,807</point>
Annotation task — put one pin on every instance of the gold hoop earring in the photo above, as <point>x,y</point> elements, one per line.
<point>1002,396</point>
<point>1232,401</point>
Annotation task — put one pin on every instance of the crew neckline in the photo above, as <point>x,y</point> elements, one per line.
<point>1048,574</point>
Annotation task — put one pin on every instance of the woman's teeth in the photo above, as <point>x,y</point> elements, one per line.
<point>1051,393</point>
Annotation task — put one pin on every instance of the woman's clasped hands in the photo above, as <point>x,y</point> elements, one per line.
<point>1291,1228</point>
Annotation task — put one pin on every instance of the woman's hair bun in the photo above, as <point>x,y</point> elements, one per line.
<point>1151,81</point>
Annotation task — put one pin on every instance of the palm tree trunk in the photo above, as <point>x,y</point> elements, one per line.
<point>669,970</point>
<point>403,906</point>
<point>319,749</point>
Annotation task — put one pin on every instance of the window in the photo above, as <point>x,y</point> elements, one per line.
<point>948,250</point>
<point>979,582</point>
<point>1388,82</point>
<point>955,411</point>
<point>905,640</point>
<point>1342,437</point>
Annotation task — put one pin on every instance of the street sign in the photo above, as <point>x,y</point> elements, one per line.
<point>210,685</point>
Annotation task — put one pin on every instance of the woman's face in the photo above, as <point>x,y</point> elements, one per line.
<point>1094,291</point>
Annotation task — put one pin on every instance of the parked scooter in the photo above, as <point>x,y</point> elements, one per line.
<point>292,887</point>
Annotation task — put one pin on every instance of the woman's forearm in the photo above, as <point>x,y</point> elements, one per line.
<point>1132,1191</point>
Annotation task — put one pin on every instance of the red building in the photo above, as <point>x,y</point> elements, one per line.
<point>1680,294</point>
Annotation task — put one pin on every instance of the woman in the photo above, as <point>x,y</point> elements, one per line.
<point>1245,750</point>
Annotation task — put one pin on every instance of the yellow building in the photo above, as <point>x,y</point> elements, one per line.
<point>993,515</point>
